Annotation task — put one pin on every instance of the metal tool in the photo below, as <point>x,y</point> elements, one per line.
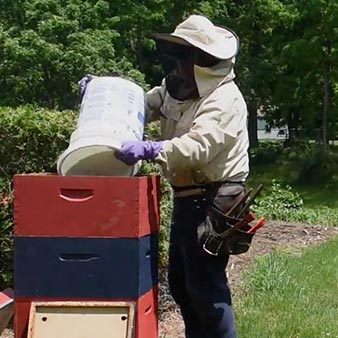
<point>246,220</point>
<point>249,201</point>
<point>242,200</point>
<point>213,244</point>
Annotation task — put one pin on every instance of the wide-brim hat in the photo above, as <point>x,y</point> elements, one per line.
<point>200,32</point>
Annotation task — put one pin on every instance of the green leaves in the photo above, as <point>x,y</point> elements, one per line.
<point>286,65</point>
<point>58,43</point>
<point>31,140</point>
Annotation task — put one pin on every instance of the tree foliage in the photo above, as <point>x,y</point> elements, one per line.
<point>47,45</point>
<point>286,66</point>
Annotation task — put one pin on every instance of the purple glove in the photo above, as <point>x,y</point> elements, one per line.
<point>82,84</point>
<point>133,151</point>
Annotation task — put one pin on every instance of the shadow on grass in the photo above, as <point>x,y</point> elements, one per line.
<point>314,194</point>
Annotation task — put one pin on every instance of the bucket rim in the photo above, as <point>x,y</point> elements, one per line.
<point>71,149</point>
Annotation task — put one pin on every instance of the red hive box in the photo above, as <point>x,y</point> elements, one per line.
<point>51,205</point>
<point>95,213</point>
<point>146,325</point>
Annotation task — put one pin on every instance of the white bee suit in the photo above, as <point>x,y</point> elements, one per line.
<point>206,139</point>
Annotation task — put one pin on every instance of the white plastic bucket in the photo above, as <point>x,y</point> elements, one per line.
<point>112,111</point>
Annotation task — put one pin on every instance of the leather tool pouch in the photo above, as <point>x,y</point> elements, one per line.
<point>230,240</point>
<point>217,234</point>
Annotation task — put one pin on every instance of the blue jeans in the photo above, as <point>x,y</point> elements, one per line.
<point>197,280</point>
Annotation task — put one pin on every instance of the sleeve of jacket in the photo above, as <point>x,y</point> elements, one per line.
<point>214,128</point>
<point>153,102</point>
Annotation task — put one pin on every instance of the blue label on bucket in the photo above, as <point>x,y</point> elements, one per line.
<point>140,116</point>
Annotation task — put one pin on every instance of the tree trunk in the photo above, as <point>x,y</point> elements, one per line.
<point>252,109</point>
<point>326,103</point>
<point>327,48</point>
<point>293,125</point>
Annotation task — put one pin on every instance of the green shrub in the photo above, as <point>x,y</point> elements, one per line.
<point>31,140</point>
<point>165,210</point>
<point>266,152</point>
<point>319,165</point>
<point>152,132</point>
<point>304,162</point>
<point>6,236</point>
<point>282,203</point>
<point>314,164</point>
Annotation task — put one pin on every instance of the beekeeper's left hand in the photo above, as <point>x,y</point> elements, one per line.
<point>82,84</point>
<point>133,151</point>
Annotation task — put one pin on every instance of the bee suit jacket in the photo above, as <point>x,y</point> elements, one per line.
<point>205,139</point>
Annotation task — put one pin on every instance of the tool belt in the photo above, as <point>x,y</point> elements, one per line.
<point>227,229</point>
<point>232,240</point>
<point>209,190</point>
<point>206,189</point>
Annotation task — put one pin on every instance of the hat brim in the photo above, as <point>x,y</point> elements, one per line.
<point>171,38</point>
<point>230,43</point>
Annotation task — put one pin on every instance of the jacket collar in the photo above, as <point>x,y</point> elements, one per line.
<point>209,78</point>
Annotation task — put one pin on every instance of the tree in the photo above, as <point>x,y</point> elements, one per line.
<point>256,23</point>
<point>53,45</point>
<point>304,87</point>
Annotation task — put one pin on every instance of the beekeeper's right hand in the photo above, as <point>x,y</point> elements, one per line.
<point>82,84</point>
<point>133,151</point>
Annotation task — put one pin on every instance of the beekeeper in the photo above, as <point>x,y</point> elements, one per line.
<point>204,155</point>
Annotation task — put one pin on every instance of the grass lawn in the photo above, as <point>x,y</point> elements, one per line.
<point>314,195</point>
<point>291,296</point>
<point>319,195</point>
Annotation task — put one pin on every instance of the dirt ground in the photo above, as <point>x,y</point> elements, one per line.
<point>272,235</point>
